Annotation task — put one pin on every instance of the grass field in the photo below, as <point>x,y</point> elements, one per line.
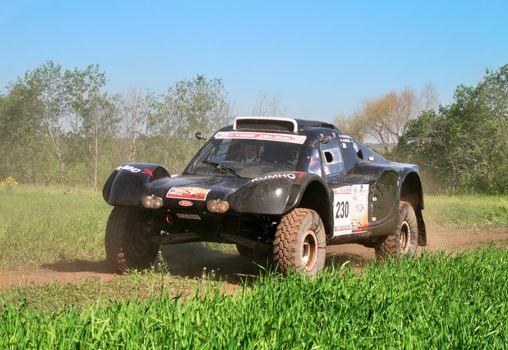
<point>41,225</point>
<point>435,301</point>
<point>467,212</point>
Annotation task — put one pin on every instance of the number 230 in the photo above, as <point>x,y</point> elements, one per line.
<point>342,210</point>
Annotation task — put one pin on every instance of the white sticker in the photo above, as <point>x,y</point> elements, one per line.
<point>290,176</point>
<point>129,168</point>
<point>342,201</point>
<point>245,135</point>
<point>188,216</point>
<point>350,209</point>
<point>188,192</point>
<point>360,218</point>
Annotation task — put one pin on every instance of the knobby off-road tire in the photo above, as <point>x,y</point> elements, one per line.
<point>402,242</point>
<point>126,241</point>
<point>300,242</point>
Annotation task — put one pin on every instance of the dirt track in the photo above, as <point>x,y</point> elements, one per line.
<point>190,260</point>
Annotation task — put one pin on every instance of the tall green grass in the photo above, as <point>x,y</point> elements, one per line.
<point>434,301</point>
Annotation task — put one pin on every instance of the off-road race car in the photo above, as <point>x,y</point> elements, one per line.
<point>278,187</point>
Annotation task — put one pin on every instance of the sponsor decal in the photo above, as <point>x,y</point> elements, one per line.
<point>185,203</point>
<point>245,135</point>
<point>148,172</point>
<point>129,168</point>
<point>290,176</point>
<point>345,140</point>
<point>188,216</point>
<point>186,192</point>
<point>350,209</point>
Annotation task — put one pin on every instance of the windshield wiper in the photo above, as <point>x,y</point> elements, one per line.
<point>221,167</point>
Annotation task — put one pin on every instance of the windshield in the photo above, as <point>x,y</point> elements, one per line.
<point>245,155</point>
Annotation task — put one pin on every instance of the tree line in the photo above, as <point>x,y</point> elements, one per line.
<point>461,147</point>
<point>60,127</point>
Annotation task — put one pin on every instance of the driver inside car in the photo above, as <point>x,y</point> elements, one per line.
<point>252,152</point>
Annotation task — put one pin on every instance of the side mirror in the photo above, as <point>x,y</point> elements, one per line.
<point>199,136</point>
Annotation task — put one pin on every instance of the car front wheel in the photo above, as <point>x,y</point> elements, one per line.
<point>127,239</point>
<point>300,242</point>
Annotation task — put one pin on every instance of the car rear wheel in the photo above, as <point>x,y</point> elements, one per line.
<point>402,242</point>
<point>300,242</point>
<point>127,239</point>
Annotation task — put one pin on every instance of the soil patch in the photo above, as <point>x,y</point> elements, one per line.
<point>194,260</point>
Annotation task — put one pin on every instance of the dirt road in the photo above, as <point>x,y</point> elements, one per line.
<point>191,260</point>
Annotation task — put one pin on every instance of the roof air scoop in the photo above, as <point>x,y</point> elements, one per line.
<point>274,124</point>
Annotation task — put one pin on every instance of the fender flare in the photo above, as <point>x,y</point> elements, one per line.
<point>128,183</point>
<point>274,193</point>
<point>411,190</point>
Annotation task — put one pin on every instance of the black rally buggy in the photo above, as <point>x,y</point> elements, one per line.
<point>278,186</point>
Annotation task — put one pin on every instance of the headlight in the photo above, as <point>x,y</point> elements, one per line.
<point>217,206</point>
<point>222,207</point>
<point>151,202</point>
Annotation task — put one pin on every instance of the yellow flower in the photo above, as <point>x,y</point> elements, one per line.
<point>9,182</point>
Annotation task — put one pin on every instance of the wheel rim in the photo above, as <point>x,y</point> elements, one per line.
<point>405,234</point>
<point>309,250</point>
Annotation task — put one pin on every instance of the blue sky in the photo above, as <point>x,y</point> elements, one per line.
<point>321,58</point>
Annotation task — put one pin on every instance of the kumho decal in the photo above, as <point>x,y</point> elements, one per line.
<point>129,168</point>
<point>290,176</point>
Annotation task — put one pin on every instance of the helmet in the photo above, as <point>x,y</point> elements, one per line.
<point>252,151</point>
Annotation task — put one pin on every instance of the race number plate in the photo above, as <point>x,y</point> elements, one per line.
<point>350,205</point>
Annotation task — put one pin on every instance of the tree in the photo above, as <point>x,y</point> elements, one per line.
<point>267,104</point>
<point>137,106</point>
<point>429,98</point>
<point>353,126</point>
<point>190,106</point>
<point>187,107</point>
<point>384,119</point>
<point>18,133</point>
<point>96,113</point>
<point>36,103</point>
<point>465,143</point>
<point>47,82</point>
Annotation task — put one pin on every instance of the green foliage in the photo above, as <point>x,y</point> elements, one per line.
<point>60,127</point>
<point>434,301</point>
<point>190,106</point>
<point>464,147</point>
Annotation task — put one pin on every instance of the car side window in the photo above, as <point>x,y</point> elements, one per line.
<point>222,152</point>
<point>351,152</point>
<point>332,158</point>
